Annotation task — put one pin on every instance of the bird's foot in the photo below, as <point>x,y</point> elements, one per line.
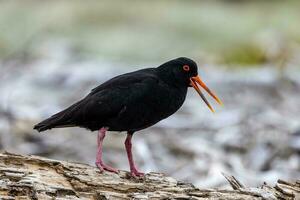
<point>102,167</point>
<point>136,173</point>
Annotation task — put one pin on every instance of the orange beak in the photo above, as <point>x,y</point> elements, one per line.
<point>197,79</point>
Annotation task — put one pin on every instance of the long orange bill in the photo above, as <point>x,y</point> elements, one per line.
<point>194,81</point>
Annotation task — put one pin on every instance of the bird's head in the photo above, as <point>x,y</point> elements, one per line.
<point>184,72</point>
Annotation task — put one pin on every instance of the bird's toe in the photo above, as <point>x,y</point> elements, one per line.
<point>110,169</point>
<point>98,165</point>
<point>102,167</point>
<point>136,173</point>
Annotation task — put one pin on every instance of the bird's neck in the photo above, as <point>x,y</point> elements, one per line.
<point>169,78</point>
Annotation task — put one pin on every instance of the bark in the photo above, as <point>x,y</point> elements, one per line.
<point>32,177</point>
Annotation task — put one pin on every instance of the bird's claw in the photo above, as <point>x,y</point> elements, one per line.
<point>136,173</point>
<point>102,167</point>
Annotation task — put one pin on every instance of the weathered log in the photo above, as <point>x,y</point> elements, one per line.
<point>32,177</point>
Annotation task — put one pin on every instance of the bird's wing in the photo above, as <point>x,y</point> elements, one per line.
<point>108,99</point>
<point>126,80</point>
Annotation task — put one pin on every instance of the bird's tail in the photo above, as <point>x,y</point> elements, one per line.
<point>56,121</point>
<point>62,119</point>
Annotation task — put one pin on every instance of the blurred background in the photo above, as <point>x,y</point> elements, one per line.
<point>52,53</point>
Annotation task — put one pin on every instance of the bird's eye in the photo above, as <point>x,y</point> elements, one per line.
<point>186,68</point>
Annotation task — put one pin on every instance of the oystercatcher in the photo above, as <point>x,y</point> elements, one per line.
<point>132,102</point>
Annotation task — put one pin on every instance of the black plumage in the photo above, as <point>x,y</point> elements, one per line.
<point>132,101</point>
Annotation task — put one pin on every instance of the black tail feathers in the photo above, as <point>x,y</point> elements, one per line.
<point>58,120</point>
<point>41,127</point>
<point>65,118</point>
<point>49,123</point>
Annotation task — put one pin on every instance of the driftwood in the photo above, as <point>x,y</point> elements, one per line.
<point>32,177</point>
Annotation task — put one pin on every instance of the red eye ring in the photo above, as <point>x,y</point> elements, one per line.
<point>186,68</point>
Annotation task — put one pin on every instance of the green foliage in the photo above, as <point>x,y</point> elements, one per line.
<point>146,30</point>
<point>244,54</point>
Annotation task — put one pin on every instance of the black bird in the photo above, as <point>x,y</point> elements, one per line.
<point>131,102</point>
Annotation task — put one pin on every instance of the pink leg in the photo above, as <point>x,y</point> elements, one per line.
<point>99,162</point>
<point>128,146</point>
